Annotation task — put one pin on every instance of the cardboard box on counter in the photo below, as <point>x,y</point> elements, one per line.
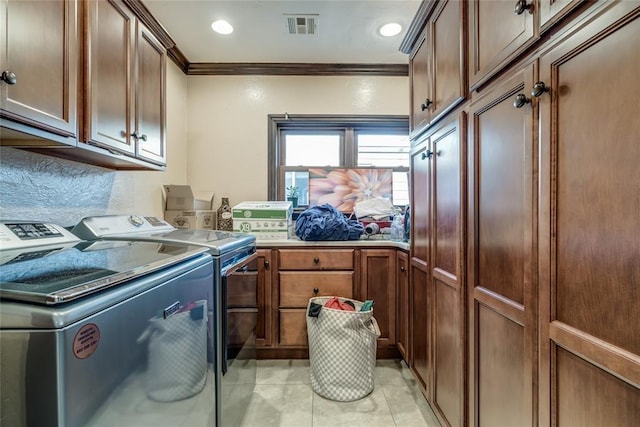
<point>183,210</point>
<point>191,220</point>
<point>269,220</point>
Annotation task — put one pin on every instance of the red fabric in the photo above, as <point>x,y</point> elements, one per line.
<point>336,304</point>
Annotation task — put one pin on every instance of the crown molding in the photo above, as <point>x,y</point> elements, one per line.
<point>417,25</point>
<point>295,69</point>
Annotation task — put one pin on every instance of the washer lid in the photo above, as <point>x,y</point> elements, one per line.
<point>57,274</point>
<point>152,229</point>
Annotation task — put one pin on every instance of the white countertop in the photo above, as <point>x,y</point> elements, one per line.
<point>373,241</point>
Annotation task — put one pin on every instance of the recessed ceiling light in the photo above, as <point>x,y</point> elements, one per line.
<point>222,27</point>
<point>391,29</point>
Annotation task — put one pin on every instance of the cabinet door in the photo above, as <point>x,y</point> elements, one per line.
<point>420,77</point>
<point>402,305</point>
<point>447,274</point>
<point>420,325</point>
<point>420,170</point>
<point>501,260</point>
<point>498,34</point>
<point>39,62</point>
<point>150,98</point>
<point>448,76</point>
<point>377,270</point>
<point>109,75</point>
<point>263,327</point>
<point>589,204</point>
<point>551,11</point>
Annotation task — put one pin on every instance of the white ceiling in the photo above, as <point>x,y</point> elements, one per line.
<point>346,34</point>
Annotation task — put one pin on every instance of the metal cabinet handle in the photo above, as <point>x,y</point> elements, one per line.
<point>539,88</point>
<point>316,291</point>
<point>427,154</point>
<point>521,6</point>
<point>9,78</point>
<point>136,135</point>
<point>521,100</point>
<point>266,264</point>
<point>403,269</point>
<point>427,104</point>
<point>316,260</point>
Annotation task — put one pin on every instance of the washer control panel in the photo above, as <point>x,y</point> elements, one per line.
<point>16,235</point>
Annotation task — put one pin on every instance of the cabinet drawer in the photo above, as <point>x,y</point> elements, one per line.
<point>297,288</point>
<point>334,259</point>
<point>293,327</point>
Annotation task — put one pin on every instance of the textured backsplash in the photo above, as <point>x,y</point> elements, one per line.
<point>43,188</point>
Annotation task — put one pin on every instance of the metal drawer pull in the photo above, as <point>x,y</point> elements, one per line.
<point>316,291</point>
<point>521,100</point>
<point>9,78</point>
<point>539,88</point>
<point>521,6</point>
<point>316,260</point>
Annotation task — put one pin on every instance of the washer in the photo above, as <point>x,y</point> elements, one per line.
<point>234,306</point>
<point>87,330</point>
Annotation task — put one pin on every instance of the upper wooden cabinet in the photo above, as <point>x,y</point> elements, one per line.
<point>124,83</point>
<point>39,67</point>
<point>438,64</point>
<point>499,31</point>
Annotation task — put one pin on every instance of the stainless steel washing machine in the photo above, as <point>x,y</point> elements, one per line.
<point>102,333</point>
<point>234,308</point>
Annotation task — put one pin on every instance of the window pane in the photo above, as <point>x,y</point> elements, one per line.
<point>383,150</point>
<point>312,150</point>
<point>400,188</point>
<point>300,180</point>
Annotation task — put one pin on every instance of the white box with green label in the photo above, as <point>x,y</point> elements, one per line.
<point>270,220</point>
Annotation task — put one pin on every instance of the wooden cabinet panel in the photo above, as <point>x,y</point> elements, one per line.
<point>551,11</point>
<point>420,199</point>
<point>40,48</point>
<point>296,288</point>
<point>502,373</point>
<point>438,65</point>
<point>293,327</point>
<point>377,271</point>
<point>312,259</point>
<point>109,74</point>
<point>263,265</point>
<point>150,98</point>
<point>449,58</point>
<point>402,305</point>
<point>419,74</point>
<point>420,325</point>
<point>590,397</point>
<point>448,174</point>
<point>124,83</point>
<point>492,44</point>
<point>501,251</point>
<point>589,204</point>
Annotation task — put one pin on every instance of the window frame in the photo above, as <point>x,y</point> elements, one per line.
<point>349,124</point>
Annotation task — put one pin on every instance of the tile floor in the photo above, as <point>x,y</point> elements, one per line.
<point>283,397</point>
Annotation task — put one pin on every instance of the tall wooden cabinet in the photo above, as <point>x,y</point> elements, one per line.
<point>501,264</point>
<point>39,67</point>
<point>589,221</point>
<point>402,305</point>
<point>437,289</point>
<point>551,303</point>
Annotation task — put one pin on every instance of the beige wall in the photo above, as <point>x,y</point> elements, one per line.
<point>43,188</point>
<point>227,122</point>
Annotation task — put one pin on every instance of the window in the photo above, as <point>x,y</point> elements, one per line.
<point>301,146</point>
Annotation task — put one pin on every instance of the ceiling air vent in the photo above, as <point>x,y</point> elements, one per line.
<point>302,24</point>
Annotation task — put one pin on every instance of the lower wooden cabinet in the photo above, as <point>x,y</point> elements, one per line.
<point>290,277</point>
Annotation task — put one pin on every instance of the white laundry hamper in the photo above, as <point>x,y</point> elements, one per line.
<point>342,351</point>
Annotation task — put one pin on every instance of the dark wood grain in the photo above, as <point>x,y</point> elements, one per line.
<point>377,268</point>
<point>403,307</point>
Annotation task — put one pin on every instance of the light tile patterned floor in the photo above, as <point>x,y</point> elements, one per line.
<point>283,398</point>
